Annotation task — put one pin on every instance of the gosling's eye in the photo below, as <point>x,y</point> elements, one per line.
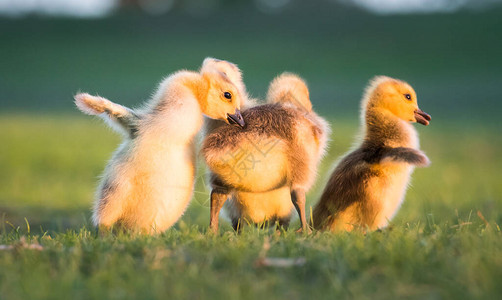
<point>227,95</point>
<point>407,96</point>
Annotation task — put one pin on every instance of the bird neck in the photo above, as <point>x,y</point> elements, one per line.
<point>384,128</point>
<point>198,86</point>
<point>181,87</point>
<point>176,108</point>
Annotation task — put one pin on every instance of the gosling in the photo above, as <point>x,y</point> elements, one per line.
<point>368,185</point>
<point>233,72</point>
<point>266,168</point>
<point>148,182</point>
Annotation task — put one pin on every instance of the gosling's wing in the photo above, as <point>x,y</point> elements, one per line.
<point>406,155</point>
<point>120,118</point>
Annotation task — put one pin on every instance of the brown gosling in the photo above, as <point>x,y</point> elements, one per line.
<point>368,185</point>
<point>267,167</point>
<point>250,207</point>
<point>148,182</point>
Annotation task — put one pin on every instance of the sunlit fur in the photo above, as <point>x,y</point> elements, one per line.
<point>148,183</point>
<point>299,138</point>
<point>289,88</point>
<point>369,183</point>
<point>234,74</point>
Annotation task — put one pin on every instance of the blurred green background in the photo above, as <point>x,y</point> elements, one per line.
<point>444,243</point>
<point>51,155</point>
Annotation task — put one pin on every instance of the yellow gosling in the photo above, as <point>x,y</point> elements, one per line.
<point>148,182</point>
<point>368,185</point>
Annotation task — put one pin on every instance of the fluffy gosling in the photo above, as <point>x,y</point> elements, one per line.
<point>267,167</point>
<point>148,182</point>
<point>368,185</point>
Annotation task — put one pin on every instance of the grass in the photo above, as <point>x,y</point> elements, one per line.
<point>437,247</point>
<point>435,261</point>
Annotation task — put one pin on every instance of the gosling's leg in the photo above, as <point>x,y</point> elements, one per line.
<point>298,198</point>
<point>218,197</point>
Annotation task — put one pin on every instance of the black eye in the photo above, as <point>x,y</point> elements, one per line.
<point>227,95</point>
<point>408,96</point>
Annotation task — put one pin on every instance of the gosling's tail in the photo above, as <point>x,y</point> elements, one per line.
<point>124,120</point>
<point>290,88</point>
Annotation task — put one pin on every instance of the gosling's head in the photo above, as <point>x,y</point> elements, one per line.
<point>394,96</point>
<point>225,91</point>
<point>289,88</point>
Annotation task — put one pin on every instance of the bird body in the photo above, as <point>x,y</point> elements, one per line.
<point>369,183</point>
<point>266,168</point>
<point>271,206</point>
<point>148,183</point>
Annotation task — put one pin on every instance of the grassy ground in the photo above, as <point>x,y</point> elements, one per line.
<point>437,247</point>
<point>434,261</point>
<point>444,243</point>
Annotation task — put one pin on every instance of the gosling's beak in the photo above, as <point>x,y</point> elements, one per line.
<point>236,119</point>
<point>422,117</point>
